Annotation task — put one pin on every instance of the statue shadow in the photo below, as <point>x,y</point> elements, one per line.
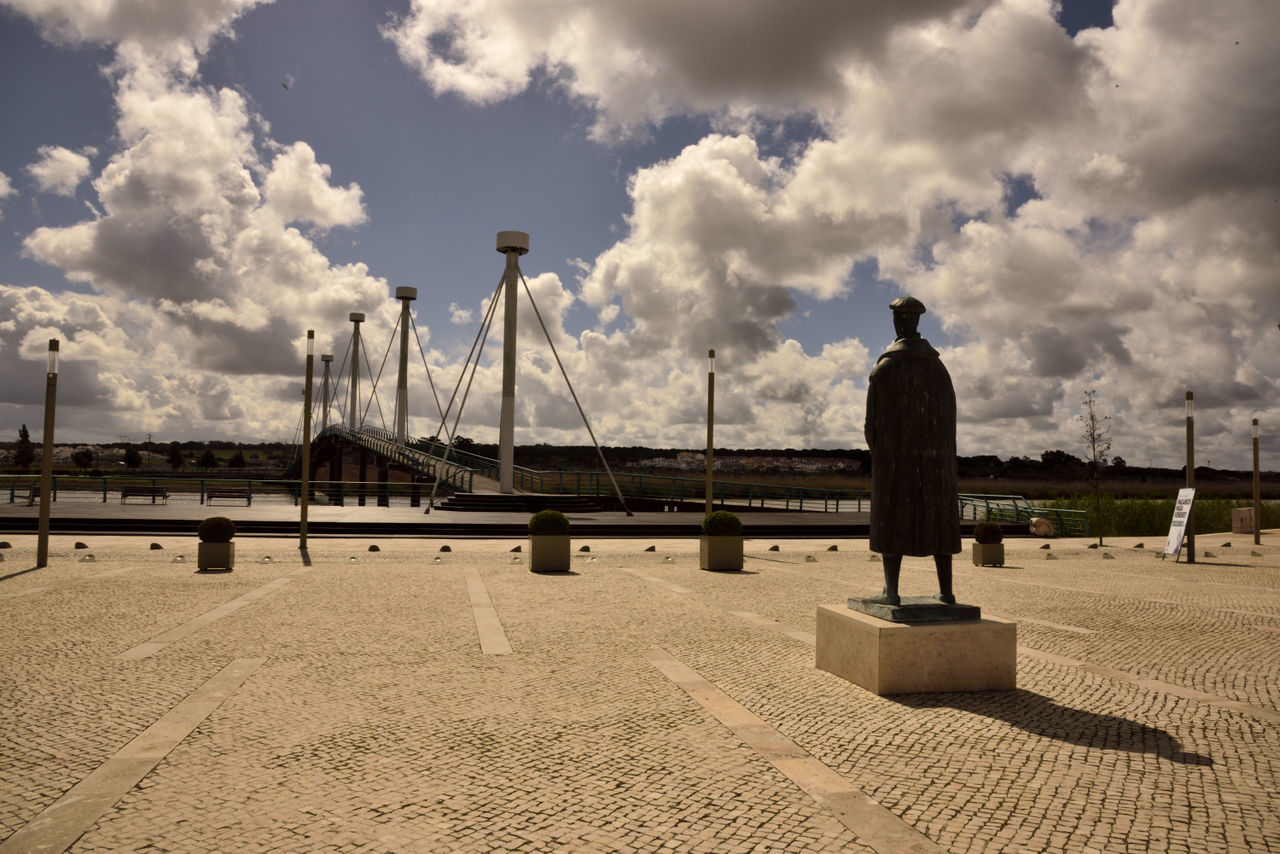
<point>1039,715</point>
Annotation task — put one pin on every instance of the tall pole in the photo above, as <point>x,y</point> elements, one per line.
<point>1257,489</point>
<point>1191,476</point>
<point>306,442</point>
<point>327,361</point>
<point>406,296</point>
<point>353,413</point>
<point>512,244</point>
<point>46,460</point>
<point>711,421</point>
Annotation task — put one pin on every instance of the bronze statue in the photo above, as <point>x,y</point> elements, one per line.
<point>911,430</point>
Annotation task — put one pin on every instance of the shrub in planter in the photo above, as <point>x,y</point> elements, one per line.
<point>720,523</point>
<point>988,533</point>
<point>988,546</point>
<point>216,552</point>
<point>549,541</point>
<point>548,522</point>
<point>720,546</point>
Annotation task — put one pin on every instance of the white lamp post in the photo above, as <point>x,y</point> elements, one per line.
<point>711,421</point>
<point>1191,476</point>
<point>306,442</point>
<point>1257,490</point>
<point>46,461</point>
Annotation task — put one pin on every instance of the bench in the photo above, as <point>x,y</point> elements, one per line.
<point>230,494</point>
<point>33,495</point>
<point>152,492</point>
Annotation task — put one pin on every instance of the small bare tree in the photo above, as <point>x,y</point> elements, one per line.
<point>1096,432</point>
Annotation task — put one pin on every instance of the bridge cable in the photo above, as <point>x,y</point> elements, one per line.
<point>373,392</point>
<point>586,423</point>
<point>340,399</point>
<point>477,348</point>
<point>482,331</point>
<point>423,354</point>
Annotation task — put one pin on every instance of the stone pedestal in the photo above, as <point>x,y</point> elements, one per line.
<point>915,658</point>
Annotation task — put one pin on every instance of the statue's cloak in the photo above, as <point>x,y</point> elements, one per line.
<point>911,430</point>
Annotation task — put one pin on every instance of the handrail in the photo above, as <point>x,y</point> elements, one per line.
<point>1010,509</point>
<point>197,488</point>
<point>383,443</point>
<point>1014,509</point>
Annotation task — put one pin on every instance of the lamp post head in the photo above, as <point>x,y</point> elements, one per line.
<point>356,317</point>
<point>1191,405</point>
<point>311,342</point>
<point>53,356</point>
<point>711,361</point>
<point>406,293</point>
<point>327,357</point>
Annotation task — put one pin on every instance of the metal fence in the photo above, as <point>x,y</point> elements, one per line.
<point>1014,509</point>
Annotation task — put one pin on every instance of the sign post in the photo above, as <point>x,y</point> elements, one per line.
<point>1178,529</point>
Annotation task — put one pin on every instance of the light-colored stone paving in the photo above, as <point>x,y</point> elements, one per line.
<point>377,720</point>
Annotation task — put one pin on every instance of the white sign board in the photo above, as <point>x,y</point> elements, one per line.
<point>1177,530</point>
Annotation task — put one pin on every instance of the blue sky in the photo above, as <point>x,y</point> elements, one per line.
<point>1083,201</point>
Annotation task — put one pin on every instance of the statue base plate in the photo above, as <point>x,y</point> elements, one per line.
<point>916,609</point>
<point>912,658</point>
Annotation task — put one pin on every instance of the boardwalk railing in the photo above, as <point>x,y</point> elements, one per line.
<point>197,490</point>
<point>1014,509</point>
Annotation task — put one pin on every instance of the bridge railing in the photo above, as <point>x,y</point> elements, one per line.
<point>383,443</point>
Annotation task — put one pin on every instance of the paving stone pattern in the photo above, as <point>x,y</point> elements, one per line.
<point>377,723</point>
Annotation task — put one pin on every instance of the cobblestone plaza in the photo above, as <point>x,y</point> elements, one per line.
<point>420,699</point>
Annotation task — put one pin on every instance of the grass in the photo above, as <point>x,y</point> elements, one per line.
<point>1143,517</point>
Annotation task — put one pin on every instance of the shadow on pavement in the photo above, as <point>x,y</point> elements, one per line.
<point>1041,716</point>
<point>19,572</point>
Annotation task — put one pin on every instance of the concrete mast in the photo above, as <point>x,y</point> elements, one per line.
<point>512,244</point>
<point>406,296</point>
<point>353,413</point>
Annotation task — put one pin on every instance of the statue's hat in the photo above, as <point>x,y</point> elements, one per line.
<point>907,305</point>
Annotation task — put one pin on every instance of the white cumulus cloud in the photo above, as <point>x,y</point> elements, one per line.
<point>298,189</point>
<point>60,170</point>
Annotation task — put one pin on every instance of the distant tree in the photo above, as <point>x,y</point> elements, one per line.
<point>175,455</point>
<point>208,460</point>
<point>1118,462</point>
<point>132,458</point>
<point>83,458</point>
<point>24,453</point>
<point>1096,432</point>
<point>236,461</point>
<point>1060,463</point>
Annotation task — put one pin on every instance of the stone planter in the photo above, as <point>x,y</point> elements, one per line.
<point>720,552</point>
<point>549,552</point>
<point>988,554</point>
<point>216,557</point>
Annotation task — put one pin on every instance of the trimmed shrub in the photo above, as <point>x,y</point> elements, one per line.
<point>721,523</point>
<point>546,522</point>
<point>216,529</point>
<point>988,533</point>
